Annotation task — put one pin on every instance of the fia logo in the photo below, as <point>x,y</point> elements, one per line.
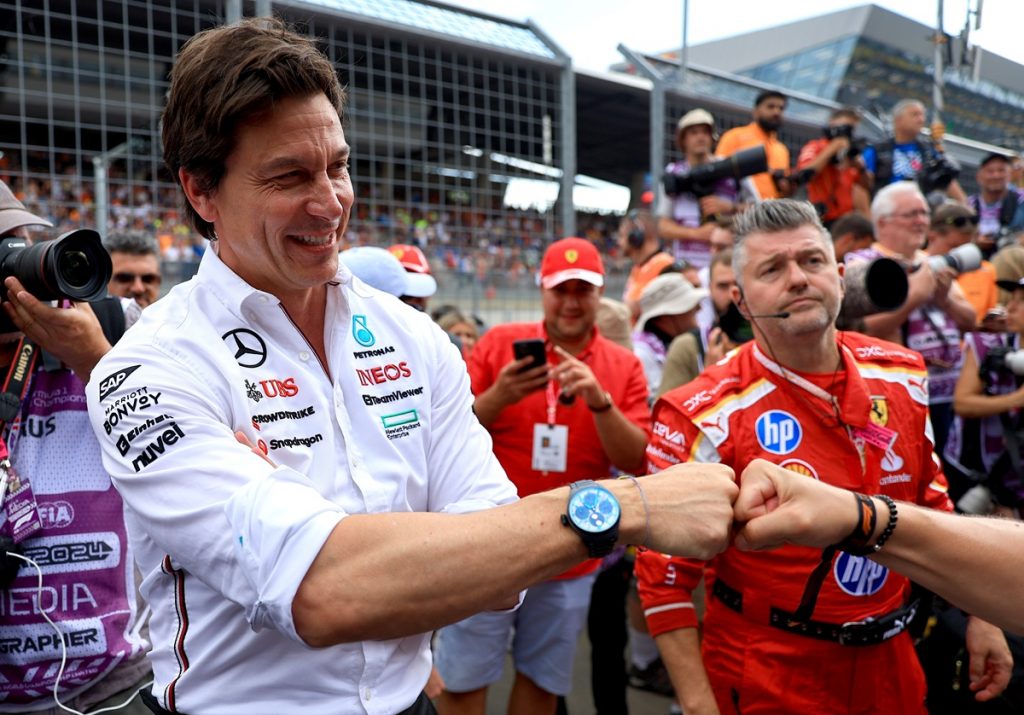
<point>362,333</point>
<point>778,432</point>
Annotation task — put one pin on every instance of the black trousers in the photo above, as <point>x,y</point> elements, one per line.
<point>606,628</point>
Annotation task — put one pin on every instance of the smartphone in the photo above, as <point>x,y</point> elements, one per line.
<point>533,347</point>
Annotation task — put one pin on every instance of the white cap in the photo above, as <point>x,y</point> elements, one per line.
<point>668,294</point>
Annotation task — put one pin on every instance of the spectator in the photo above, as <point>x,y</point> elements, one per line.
<point>935,312</point>
<point>51,446</point>
<point>954,225</point>
<point>669,308</point>
<point>312,422</point>
<point>769,107</point>
<point>987,402</point>
<point>836,181</point>
<point>1009,265</point>
<point>638,241</point>
<point>377,268</point>
<point>550,426</point>
<point>135,256</point>
<point>906,157</point>
<point>689,352</point>
<point>464,329</point>
<point>998,204</point>
<point>775,638</point>
<point>421,284</point>
<point>686,218</point>
<point>613,321</point>
<point>852,232</point>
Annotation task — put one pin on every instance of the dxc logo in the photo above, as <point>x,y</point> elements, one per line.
<point>778,432</point>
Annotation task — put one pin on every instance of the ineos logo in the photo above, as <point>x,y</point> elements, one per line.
<point>249,349</point>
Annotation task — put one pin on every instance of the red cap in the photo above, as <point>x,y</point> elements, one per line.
<point>411,258</point>
<point>571,259</point>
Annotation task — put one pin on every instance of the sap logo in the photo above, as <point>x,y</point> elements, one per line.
<point>56,514</point>
<point>152,452</point>
<point>280,388</point>
<point>778,432</point>
<point>114,381</point>
<point>40,427</point>
<point>859,576</point>
<point>668,434</point>
<point>383,373</point>
<point>696,401</point>
<point>128,407</point>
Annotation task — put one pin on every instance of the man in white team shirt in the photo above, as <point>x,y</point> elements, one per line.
<point>312,586</point>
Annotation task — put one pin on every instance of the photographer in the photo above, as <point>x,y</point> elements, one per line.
<point>58,487</point>
<point>838,183</point>
<point>769,107</point>
<point>686,209</point>
<point>984,444</point>
<point>999,205</point>
<point>935,311</point>
<point>904,156</point>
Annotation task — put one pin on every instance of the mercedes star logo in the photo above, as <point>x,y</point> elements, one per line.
<point>250,350</point>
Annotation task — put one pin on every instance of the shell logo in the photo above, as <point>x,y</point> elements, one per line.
<point>800,467</point>
<point>572,255</point>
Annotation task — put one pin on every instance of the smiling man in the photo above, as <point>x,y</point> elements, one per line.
<point>574,417</point>
<point>280,431</point>
<point>839,407</point>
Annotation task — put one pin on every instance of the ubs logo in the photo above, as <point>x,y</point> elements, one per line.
<point>248,348</point>
<point>778,432</point>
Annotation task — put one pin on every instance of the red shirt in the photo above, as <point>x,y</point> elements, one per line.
<point>832,187</point>
<point>620,374</point>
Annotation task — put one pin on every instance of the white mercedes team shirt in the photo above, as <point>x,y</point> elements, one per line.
<point>224,539</point>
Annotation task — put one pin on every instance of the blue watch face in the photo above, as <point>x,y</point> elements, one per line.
<point>594,509</point>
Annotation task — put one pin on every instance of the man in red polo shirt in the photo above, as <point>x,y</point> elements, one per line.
<point>573,418</point>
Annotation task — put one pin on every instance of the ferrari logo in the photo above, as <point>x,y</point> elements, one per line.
<point>879,411</point>
<point>572,255</point>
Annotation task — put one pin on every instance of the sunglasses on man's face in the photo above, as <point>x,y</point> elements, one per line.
<point>146,278</point>
<point>961,221</point>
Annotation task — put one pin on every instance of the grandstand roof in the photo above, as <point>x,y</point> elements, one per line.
<point>742,52</point>
<point>465,25</point>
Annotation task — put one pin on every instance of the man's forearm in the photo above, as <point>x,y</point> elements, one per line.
<point>487,406</point>
<point>623,442</point>
<point>680,652</point>
<point>672,231</point>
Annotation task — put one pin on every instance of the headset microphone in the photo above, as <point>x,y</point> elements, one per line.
<point>784,314</point>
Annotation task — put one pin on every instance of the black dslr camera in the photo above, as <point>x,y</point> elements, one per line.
<point>938,172</point>
<point>700,180</point>
<point>75,266</point>
<point>857,145</point>
<point>1004,360</point>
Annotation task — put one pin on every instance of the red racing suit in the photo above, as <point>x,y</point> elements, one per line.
<point>746,407</point>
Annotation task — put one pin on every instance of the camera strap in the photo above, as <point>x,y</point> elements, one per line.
<point>19,375</point>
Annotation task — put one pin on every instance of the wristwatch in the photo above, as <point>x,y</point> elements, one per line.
<point>593,512</point>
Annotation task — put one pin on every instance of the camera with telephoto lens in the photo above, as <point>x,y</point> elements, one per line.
<point>937,173</point>
<point>74,266</point>
<point>1002,359</point>
<point>962,259</point>
<point>700,180</point>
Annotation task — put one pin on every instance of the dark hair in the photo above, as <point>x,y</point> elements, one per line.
<point>134,243</point>
<point>857,224</point>
<point>769,94</point>
<point>228,75</point>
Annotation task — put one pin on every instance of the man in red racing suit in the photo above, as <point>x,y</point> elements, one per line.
<point>862,426</point>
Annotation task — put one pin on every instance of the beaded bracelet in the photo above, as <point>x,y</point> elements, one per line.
<point>890,526</point>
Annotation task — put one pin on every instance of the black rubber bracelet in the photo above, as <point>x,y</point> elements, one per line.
<point>890,526</point>
<point>867,518</point>
<point>604,408</point>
